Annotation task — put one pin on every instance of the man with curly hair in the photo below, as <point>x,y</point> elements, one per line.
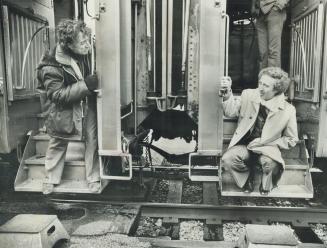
<point>65,75</point>
<point>266,124</point>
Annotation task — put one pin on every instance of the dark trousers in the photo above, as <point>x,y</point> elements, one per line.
<point>269,30</point>
<point>240,162</point>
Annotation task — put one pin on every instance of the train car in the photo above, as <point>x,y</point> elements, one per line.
<point>159,64</point>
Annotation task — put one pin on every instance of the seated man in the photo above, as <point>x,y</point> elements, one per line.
<point>266,123</point>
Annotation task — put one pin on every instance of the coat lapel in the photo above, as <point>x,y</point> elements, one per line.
<point>253,111</point>
<point>255,101</point>
<point>275,106</point>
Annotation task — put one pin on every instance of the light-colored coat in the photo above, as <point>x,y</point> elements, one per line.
<point>279,131</point>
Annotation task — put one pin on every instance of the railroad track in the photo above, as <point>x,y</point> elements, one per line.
<point>297,217</point>
<point>216,215</point>
<point>210,212</point>
<point>213,217</point>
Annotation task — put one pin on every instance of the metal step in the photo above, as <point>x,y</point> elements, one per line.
<point>65,186</point>
<point>31,172</point>
<point>293,184</point>
<point>73,170</point>
<point>75,150</point>
<point>296,181</point>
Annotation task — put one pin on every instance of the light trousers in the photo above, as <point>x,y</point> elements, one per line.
<point>57,148</point>
<point>241,162</point>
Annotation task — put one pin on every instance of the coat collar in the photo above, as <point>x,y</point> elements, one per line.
<point>275,104</point>
<point>62,57</point>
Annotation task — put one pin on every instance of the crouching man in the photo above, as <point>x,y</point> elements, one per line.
<point>266,124</point>
<point>65,75</point>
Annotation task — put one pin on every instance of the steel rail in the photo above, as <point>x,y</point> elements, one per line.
<point>298,216</point>
<point>213,214</point>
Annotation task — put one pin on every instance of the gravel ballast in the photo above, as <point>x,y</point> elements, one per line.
<point>191,230</point>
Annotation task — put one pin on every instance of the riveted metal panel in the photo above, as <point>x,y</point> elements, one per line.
<point>211,69</point>
<point>107,29</point>
<point>126,52</point>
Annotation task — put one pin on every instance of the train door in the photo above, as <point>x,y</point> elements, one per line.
<point>31,172</point>
<point>306,36</point>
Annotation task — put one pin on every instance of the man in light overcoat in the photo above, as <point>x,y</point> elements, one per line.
<point>266,124</point>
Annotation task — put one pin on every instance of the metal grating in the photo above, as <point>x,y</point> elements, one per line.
<point>19,29</point>
<point>306,53</point>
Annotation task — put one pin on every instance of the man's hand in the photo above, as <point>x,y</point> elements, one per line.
<point>225,87</point>
<point>92,82</point>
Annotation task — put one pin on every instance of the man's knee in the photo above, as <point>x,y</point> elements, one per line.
<point>227,160</point>
<point>267,164</point>
<point>235,158</point>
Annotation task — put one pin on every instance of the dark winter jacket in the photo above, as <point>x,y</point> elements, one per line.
<point>61,79</point>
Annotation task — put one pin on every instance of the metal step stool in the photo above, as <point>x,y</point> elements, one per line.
<point>32,230</point>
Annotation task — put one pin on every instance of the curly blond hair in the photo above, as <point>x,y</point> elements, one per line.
<point>282,80</point>
<point>67,30</point>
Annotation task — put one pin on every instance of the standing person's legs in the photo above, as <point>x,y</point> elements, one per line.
<point>234,160</point>
<point>275,22</point>
<point>262,33</point>
<point>91,156</point>
<point>54,163</point>
<point>271,171</point>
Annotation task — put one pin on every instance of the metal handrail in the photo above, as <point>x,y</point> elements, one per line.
<point>226,17</point>
<point>22,86</point>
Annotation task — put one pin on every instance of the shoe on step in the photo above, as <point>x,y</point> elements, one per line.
<point>47,188</point>
<point>94,187</point>
<point>262,191</point>
<point>249,186</point>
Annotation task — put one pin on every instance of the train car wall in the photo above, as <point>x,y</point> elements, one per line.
<point>19,114</point>
<point>309,19</point>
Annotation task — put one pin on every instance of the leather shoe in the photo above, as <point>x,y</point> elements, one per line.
<point>94,187</point>
<point>248,187</point>
<point>47,188</point>
<point>262,191</point>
